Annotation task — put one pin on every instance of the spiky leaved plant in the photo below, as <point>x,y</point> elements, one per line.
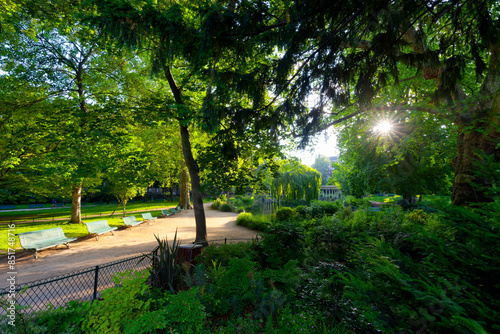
<point>165,270</point>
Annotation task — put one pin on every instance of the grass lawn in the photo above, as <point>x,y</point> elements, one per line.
<point>426,199</point>
<point>74,230</point>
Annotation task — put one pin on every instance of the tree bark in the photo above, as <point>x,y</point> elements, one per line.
<point>194,173</point>
<point>470,185</point>
<point>199,212</point>
<point>76,204</point>
<point>479,137</point>
<point>171,191</point>
<point>184,200</point>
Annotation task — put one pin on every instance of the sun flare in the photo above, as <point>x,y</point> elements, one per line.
<point>383,127</point>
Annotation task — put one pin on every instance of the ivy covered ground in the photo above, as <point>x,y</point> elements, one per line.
<point>328,267</point>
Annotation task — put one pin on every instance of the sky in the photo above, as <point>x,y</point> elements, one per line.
<point>324,143</point>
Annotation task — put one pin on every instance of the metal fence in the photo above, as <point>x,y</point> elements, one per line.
<point>83,285</point>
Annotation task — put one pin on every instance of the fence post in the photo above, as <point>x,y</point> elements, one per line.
<point>95,282</point>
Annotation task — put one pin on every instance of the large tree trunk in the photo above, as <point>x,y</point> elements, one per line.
<point>76,204</point>
<point>199,212</point>
<point>479,137</point>
<point>471,183</point>
<point>194,173</point>
<point>184,200</point>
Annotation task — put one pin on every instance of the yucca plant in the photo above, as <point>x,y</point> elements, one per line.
<point>166,270</point>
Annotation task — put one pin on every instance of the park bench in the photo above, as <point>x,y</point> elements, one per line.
<point>43,239</point>
<point>179,209</point>
<point>131,221</point>
<point>99,227</point>
<point>35,206</point>
<point>174,210</point>
<point>7,207</point>
<point>166,212</point>
<point>147,216</point>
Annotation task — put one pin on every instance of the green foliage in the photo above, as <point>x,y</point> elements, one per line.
<point>285,213</point>
<point>234,287</point>
<point>282,242</point>
<point>323,165</point>
<point>165,271</point>
<point>296,182</point>
<point>259,223</point>
<point>222,254</point>
<point>216,204</point>
<point>183,313</point>
<point>226,207</point>
<point>319,208</point>
<point>118,303</point>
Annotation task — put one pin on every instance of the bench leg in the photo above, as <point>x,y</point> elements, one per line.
<point>36,255</point>
<point>112,233</point>
<point>67,244</point>
<point>97,237</point>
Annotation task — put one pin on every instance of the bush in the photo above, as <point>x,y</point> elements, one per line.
<point>319,208</point>
<point>244,219</point>
<point>285,213</point>
<point>303,211</point>
<point>249,220</point>
<point>216,204</point>
<point>282,242</point>
<point>222,254</point>
<point>226,207</point>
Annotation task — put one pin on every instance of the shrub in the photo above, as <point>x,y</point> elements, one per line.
<point>244,219</point>
<point>119,303</point>
<point>222,254</point>
<point>302,211</point>
<point>319,208</point>
<point>285,213</point>
<point>182,313</point>
<point>216,204</point>
<point>226,207</point>
<point>258,223</point>
<point>281,243</point>
<point>234,287</point>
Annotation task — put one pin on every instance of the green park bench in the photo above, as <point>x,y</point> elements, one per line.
<point>131,221</point>
<point>43,239</point>
<point>147,216</point>
<point>35,206</point>
<point>174,210</point>
<point>7,207</point>
<point>179,209</point>
<point>166,212</point>
<point>99,227</point>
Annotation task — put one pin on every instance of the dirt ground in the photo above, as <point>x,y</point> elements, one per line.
<point>124,244</point>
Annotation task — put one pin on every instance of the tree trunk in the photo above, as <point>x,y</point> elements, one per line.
<point>171,191</point>
<point>470,185</point>
<point>194,173</point>
<point>199,212</point>
<point>76,204</point>
<point>184,200</point>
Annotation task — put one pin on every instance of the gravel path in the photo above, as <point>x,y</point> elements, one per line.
<point>124,244</point>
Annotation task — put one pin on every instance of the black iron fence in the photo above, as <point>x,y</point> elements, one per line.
<point>57,291</point>
<point>83,285</point>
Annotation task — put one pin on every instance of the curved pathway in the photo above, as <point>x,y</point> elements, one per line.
<point>124,244</point>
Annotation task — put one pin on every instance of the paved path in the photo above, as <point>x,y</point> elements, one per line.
<point>124,244</point>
